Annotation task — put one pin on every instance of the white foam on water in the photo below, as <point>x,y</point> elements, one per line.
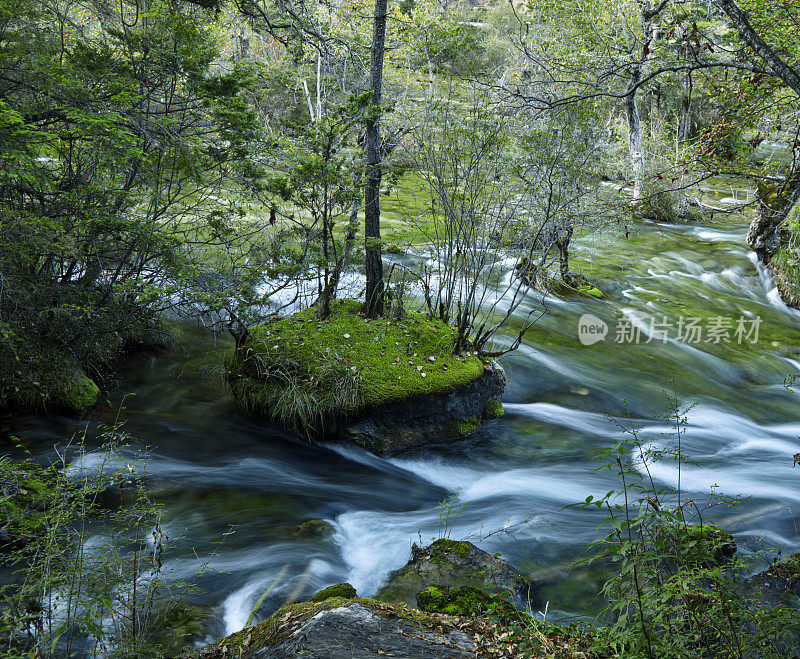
<point>239,604</point>
<point>591,422</point>
<point>375,543</point>
<point>473,485</point>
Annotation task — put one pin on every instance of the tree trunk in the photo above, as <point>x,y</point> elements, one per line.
<point>635,133</point>
<point>774,205</point>
<point>373,303</point>
<point>685,129</point>
<point>781,69</point>
<point>329,292</point>
<point>773,209</point>
<point>563,256</point>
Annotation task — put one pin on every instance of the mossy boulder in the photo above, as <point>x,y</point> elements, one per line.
<point>80,392</point>
<point>345,627</point>
<point>313,529</point>
<point>455,564</point>
<point>69,390</point>
<point>383,384</point>
<point>343,590</point>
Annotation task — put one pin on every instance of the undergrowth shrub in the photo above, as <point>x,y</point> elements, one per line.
<point>86,554</point>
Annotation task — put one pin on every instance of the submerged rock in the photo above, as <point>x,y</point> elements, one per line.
<point>455,564</point>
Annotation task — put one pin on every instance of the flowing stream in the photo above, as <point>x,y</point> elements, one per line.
<point>212,468</point>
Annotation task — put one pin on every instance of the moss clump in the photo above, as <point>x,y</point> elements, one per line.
<point>592,291</point>
<point>297,369</point>
<point>460,548</point>
<point>493,410</point>
<point>788,568</point>
<point>79,393</point>
<point>463,601</point>
<point>343,590</point>
<point>466,426</point>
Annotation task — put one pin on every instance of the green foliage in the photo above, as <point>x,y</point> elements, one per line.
<point>676,588</point>
<point>114,135</point>
<point>493,409</point>
<point>450,509</point>
<point>300,369</point>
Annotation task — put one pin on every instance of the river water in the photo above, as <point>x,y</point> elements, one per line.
<point>212,468</point>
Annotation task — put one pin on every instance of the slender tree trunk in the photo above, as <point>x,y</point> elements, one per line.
<point>563,256</point>
<point>373,304</point>
<point>635,133</point>
<point>686,115</point>
<point>329,292</point>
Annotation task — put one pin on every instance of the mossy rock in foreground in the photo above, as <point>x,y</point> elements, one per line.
<point>382,384</point>
<point>779,584</point>
<point>336,627</point>
<point>449,563</point>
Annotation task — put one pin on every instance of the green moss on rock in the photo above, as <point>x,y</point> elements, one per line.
<point>80,392</point>
<point>278,627</point>
<point>378,361</point>
<point>493,410</point>
<point>463,601</point>
<point>466,426</point>
<point>343,590</point>
<point>313,529</point>
<point>592,291</point>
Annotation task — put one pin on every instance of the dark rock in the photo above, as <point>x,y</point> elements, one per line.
<point>778,584</point>
<point>357,632</point>
<point>420,421</point>
<point>453,563</point>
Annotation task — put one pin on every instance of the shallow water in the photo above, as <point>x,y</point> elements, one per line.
<point>213,468</point>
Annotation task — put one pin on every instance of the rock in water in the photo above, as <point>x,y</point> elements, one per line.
<point>779,584</point>
<point>455,563</point>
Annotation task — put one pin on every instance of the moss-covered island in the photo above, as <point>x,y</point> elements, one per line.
<point>383,384</point>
